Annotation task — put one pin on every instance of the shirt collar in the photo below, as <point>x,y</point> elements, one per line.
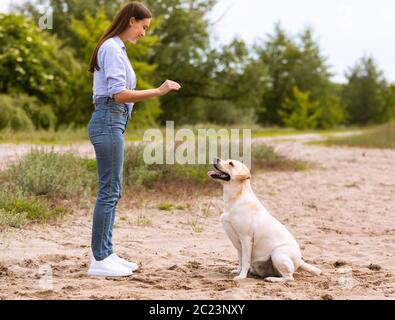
<point>119,42</point>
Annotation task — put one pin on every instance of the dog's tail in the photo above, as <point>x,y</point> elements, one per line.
<point>310,268</point>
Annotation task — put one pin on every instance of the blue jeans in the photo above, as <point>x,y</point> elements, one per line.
<point>106,132</point>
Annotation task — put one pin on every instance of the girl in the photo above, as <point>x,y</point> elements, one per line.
<point>114,94</point>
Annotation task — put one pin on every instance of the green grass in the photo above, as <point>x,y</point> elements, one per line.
<point>32,187</point>
<point>12,219</point>
<point>196,226</point>
<point>265,158</point>
<point>16,209</point>
<point>277,132</point>
<point>256,130</point>
<point>206,210</point>
<point>377,137</point>
<point>138,174</point>
<point>71,134</point>
<point>166,206</point>
<point>143,221</point>
<point>63,136</point>
<point>53,174</point>
<point>183,206</point>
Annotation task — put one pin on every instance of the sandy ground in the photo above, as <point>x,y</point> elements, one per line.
<point>342,212</point>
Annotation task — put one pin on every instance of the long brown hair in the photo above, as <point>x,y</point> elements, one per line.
<point>120,23</point>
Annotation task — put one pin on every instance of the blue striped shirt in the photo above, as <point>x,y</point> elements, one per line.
<point>116,73</point>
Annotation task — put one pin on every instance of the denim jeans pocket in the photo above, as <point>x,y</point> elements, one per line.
<point>118,117</point>
<point>97,123</point>
<point>119,109</point>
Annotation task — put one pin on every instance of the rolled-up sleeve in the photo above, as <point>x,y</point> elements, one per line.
<point>114,70</point>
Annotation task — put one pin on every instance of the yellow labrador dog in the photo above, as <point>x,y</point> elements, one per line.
<point>265,247</point>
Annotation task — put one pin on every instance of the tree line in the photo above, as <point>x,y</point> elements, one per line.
<point>282,80</point>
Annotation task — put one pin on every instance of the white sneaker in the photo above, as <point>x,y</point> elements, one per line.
<point>131,265</point>
<point>108,267</point>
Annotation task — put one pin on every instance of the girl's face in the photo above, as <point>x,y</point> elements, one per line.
<point>137,29</point>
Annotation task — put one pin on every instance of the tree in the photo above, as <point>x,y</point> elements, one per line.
<point>177,46</point>
<point>181,28</point>
<point>80,24</point>
<point>32,61</point>
<point>235,85</point>
<point>278,55</point>
<point>182,54</point>
<point>226,85</point>
<point>296,63</point>
<point>366,93</point>
<point>303,113</point>
<point>65,11</point>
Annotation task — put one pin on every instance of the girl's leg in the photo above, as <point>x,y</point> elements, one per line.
<point>109,149</point>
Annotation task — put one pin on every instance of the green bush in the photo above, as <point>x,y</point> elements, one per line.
<point>53,174</point>
<point>300,112</point>
<point>40,114</point>
<point>23,112</point>
<point>142,176</point>
<point>16,209</point>
<point>223,112</point>
<point>264,156</point>
<point>137,173</point>
<point>263,153</point>
<point>31,208</point>
<point>195,172</point>
<point>12,219</point>
<point>39,64</point>
<point>12,116</point>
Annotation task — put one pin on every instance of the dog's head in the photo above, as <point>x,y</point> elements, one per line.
<point>230,170</point>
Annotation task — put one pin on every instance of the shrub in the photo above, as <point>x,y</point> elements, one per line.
<point>137,173</point>
<point>300,112</point>
<point>166,206</point>
<point>228,113</point>
<point>12,219</point>
<point>53,174</point>
<point>40,114</point>
<point>16,209</point>
<point>264,156</point>
<point>12,116</point>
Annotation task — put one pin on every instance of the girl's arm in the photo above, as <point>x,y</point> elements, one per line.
<point>141,95</point>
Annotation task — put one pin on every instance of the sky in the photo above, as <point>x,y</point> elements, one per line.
<point>346,30</point>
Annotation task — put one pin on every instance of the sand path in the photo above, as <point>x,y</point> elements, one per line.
<point>342,213</point>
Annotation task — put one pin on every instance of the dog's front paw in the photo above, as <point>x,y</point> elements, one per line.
<point>272,279</point>
<point>236,271</point>
<point>240,277</point>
